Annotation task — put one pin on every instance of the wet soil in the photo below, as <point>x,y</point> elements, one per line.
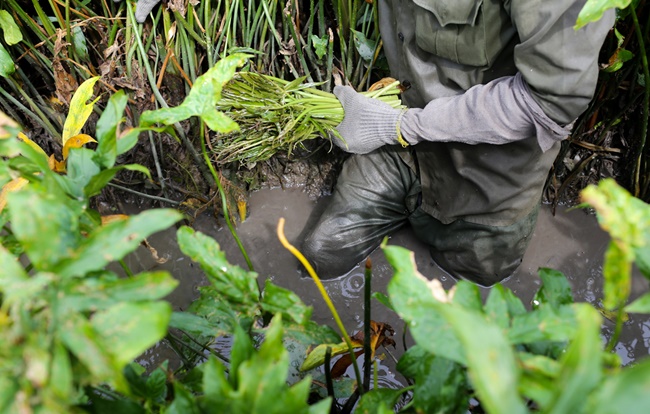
<point>569,241</point>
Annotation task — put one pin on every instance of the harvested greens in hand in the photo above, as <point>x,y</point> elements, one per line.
<point>276,115</point>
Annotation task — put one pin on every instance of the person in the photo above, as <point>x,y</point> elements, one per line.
<point>492,87</point>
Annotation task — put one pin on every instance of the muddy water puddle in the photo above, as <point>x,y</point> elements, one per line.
<point>570,242</point>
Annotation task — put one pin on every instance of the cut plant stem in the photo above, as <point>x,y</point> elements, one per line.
<point>277,115</point>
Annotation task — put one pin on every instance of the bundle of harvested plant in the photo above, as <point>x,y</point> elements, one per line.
<point>276,115</point>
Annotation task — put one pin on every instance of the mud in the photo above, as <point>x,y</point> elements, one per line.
<point>570,242</point>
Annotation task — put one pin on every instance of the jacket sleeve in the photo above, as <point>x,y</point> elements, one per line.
<point>557,74</point>
<point>558,63</point>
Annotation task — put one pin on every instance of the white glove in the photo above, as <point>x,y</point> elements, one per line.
<point>143,8</point>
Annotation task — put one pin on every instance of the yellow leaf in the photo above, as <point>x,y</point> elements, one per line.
<point>13,185</point>
<point>113,217</point>
<point>31,143</point>
<point>55,165</point>
<point>76,142</point>
<point>79,110</point>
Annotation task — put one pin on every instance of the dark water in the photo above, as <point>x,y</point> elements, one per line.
<point>570,241</point>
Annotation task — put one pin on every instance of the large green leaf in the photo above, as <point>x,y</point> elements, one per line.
<point>468,296</point>
<point>79,336</point>
<point>96,294</point>
<point>114,240</point>
<point>202,99</point>
<point>46,228</point>
<point>131,328</point>
<point>489,357</point>
<point>623,393</point>
<point>412,298</point>
<point>581,365</point>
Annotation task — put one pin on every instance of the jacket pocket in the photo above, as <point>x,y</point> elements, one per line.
<point>468,32</point>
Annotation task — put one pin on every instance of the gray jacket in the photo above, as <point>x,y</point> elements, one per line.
<point>529,75</point>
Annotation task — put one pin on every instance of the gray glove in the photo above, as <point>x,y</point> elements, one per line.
<point>367,124</point>
<point>143,8</point>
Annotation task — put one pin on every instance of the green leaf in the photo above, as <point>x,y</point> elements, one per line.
<point>242,350</point>
<point>215,384</point>
<point>496,307</point>
<point>365,47</point>
<point>183,402</point>
<point>279,300</point>
<point>8,390</point>
<point>107,124</point>
<point>538,376</point>
<point>101,179</point>
<point>202,99</point>
<point>581,364</point>
<point>94,294</point>
<point>627,220</point>
<point>114,240</point>
<point>378,399</point>
<point>12,272</point>
<point>491,363</point>
<point>10,29</point>
<point>641,305</point>
<point>593,10</point>
<point>543,324</point>
<point>468,296</point>
<point>440,384</point>
<point>555,290</point>
<point>78,335</point>
<point>383,299</point>
<point>412,298</point>
<point>194,324</point>
<point>79,43</point>
<point>236,285</point>
<point>320,45</point>
<point>7,67</point>
<point>45,227</point>
<point>61,376</point>
<point>623,393</point>
<point>617,272</point>
<point>81,170</point>
<point>131,328</point>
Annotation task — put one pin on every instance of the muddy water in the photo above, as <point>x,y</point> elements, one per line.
<point>570,242</point>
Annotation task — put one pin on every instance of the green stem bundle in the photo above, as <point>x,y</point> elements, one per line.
<point>277,115</point>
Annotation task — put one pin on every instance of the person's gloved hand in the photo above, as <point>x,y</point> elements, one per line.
<point>368,123</point>
<point>143,8</point>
